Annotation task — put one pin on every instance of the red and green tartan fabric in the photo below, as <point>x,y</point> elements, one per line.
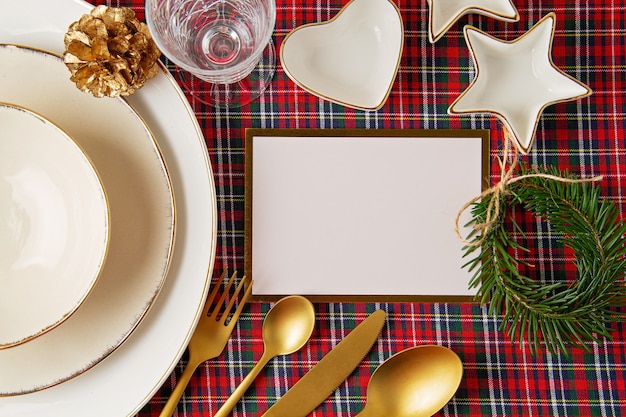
<point>586,137</point>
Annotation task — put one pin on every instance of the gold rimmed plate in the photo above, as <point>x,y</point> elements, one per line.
<point>54,226</point>
<point>142,221</point>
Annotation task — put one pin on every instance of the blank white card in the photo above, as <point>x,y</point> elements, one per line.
<point>360,216</point>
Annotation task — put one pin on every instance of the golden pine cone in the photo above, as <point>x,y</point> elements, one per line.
<point>109,52</point>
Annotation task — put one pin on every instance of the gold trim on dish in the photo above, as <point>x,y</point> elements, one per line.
<point>409,133</point>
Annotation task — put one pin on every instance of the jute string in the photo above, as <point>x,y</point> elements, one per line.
<point>497,191</point>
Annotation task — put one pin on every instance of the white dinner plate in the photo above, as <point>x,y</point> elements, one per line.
<point>54,225</point>
<point>142,220</point>
<point>123,382</point>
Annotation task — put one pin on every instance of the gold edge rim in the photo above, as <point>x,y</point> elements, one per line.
<point>316,298</point>
<point>107,225</point>
<point>172,225</point>
<point>380,104</point>
<point>248,182</point>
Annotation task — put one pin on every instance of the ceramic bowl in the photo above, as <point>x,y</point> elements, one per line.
<point>351,59</point>
<point>516,80</point>
<point>443,14</point>
<point>54,226</point>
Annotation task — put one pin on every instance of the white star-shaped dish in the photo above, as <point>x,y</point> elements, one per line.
<point>443,13</point>
<point>516,80</point>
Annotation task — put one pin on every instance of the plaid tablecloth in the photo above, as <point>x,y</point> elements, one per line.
<point>584,136</point>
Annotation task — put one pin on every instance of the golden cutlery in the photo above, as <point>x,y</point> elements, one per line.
<point>286,328</point>
<point>211,334</point>
<point>324,378</point>
<point>415,382</point>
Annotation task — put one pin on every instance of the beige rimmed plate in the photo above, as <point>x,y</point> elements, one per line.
<point>133,373</point>
<point>54,225</point>
<point>142,221</point>
<point>351,59</point>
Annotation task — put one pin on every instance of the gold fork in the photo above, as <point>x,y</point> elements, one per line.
<point>210,336</point>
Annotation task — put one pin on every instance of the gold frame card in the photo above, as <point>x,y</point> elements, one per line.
<point>360,214</point>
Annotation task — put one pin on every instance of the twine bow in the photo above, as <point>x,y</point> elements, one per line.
<point>506,179</point>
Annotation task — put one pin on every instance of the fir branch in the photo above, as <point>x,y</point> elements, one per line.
<point>560,313</point>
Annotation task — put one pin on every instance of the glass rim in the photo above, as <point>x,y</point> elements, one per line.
<point>202,73</point>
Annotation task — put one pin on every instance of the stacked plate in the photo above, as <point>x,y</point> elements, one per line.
<point>102,278</point>
<point>141,209</point>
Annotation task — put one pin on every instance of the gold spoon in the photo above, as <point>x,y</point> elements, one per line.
<point>286,328</point>
<point>415,382</point>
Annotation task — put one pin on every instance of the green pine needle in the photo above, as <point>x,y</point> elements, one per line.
<point>558,314</point>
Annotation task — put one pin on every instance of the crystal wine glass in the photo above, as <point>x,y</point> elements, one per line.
<point>226,43</point>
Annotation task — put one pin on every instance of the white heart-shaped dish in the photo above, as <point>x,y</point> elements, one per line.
<point>351,59</point>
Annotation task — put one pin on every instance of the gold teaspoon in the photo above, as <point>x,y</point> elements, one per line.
<point>286,328</point>
<point>415,382</point>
